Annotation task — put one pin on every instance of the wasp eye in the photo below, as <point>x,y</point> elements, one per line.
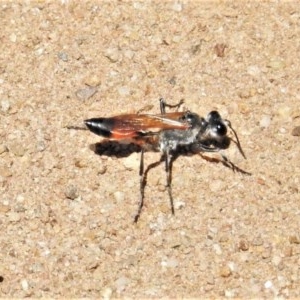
<point>213,116</point>
<point>220,129</point>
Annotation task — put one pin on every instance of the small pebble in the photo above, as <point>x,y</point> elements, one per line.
<point>5,171</point>
<point>216,185</point>
<point>121,283</point>
<point>119,196</point>
<point>268,284</point>
<point>71,192</point>
<point>17,149</point>
<point>265,121</point>
<point>113,54</point>
<point>123,91</point>
<point>132,162</point>
<point>86,93</point>
<point>210,279</point>
<point>81,163</point>
<point>101,169</point>
<point>3,148</point>
<point>5,105</point>
<point>14,216</point>
<point>176,6</point>
<point>220,49</point>
<point>4,208</point>
<point>282,130</point>
<point>276,64</point>
<point>284,112</point>
<point>40,146</point>
<point>225,271</point>
<point>106,293</point>
<point>217,249</point>
<point>294,239</point>
<point>171,263</point>
<point>63,56</point>
<point>24,284</point>
<point>179,204</point>
<point>257,241</point>
<point>266,253</point>
<point>229,293</point>
<point>253,70</point>
<point>203,265</point>
<point>288,251</point>
<point>295,131</point>
<point>276,260</point>
<point>39,51</point>
<point>13,37</point>
<point>243,245</point>
<point>93,80</point>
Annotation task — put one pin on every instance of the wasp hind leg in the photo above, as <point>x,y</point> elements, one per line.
<point>169,159</point>
<point>163,105</point>
<point>143,181</point>
<point>142,187</point>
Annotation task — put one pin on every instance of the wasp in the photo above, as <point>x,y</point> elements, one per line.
<point>170,133</point>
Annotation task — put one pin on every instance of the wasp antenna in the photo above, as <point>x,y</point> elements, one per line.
<point>76,127</point>
<point>237,142</point>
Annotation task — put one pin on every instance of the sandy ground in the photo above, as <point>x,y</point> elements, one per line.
<point>66,214</point>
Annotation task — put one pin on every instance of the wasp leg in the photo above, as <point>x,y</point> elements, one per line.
<point>168,165</point>
<point>143,181</point>
<point>163,105</point>
<point>142,187</point>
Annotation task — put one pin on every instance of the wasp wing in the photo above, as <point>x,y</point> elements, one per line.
<point>135,125</point>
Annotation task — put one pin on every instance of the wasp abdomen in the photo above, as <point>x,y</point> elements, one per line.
<point>100,126</point>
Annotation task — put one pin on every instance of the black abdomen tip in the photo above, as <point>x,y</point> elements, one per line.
<point>99,126</point>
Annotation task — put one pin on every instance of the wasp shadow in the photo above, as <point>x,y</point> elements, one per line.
<point>120,150</point>
<point>114,148</point>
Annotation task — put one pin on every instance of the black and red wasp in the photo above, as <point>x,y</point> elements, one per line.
<point>170,133</point>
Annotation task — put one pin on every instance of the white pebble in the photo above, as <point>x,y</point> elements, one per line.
<point>86,93</point>
<point>113,54</point>
<point>119,196</point>
<point>216,185</point>
<point>5,105</point>
<point>217,249</point>
<point>282,130</point>
<point>179,204</point>
<point>123,91</point>
<point>265,121</point>
<point>132,162</point>
<point>14,217</point>
<point>169,263</point>
<point>39,51</point>
<point>276,260</point>
<point>13,37</point>
<point>24,284</point>
<point>121,283</point>
<point>106,293</point>
<point>253,70</point>
<point>229,294</point>
<point>268,284</point>
<point>177,7</point>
